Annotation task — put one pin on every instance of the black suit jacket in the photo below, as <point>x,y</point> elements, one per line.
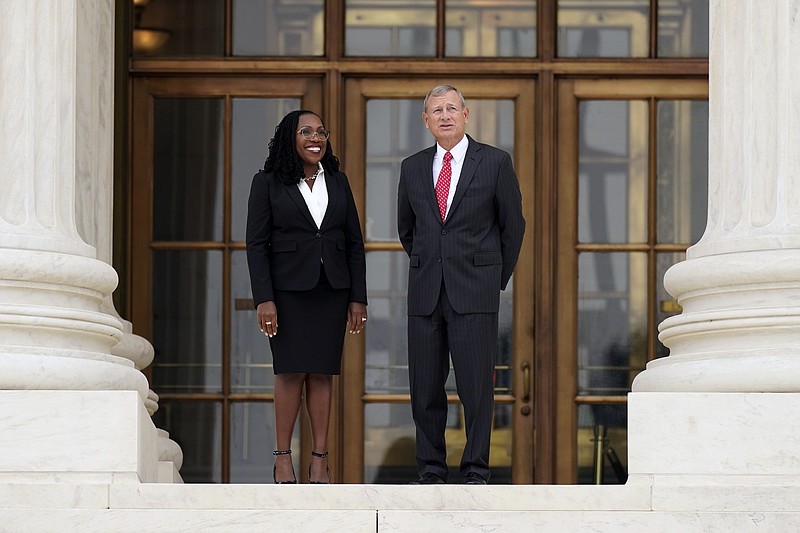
<point>476,248</point>
<point>284,246</point>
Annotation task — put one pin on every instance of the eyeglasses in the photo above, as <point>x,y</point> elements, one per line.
<point>308,134</point>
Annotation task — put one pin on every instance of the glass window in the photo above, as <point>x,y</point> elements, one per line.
<point>389,445</point>
<point>384,28</point>
<point>179,28</point>
<point>252,442</point>
<point>612,179</point>
<point>278,28</point>
<point>187,169</point>
<point>602,444</point>
<point>499,29</point>
<point>395,130</point>
<point>503,373</point>
<point>251,358</point>
<point>683,28</point>
<point>501,448</point>
<point>682,163</point>
<point>612,321</point>
<point>615,288</point>
<point>197,428</point>
<point>187,314</point>
<point>253,125</point>
<point>386,337</point>
<point>603,29</point>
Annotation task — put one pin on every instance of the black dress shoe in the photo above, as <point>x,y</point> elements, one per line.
<point>428,478</point>
<point>474,478</point>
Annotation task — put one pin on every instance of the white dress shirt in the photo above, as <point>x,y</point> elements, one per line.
<point>459,152</point>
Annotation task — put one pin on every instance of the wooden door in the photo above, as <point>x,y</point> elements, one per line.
<point>631,198</point>
<point>197,142</point>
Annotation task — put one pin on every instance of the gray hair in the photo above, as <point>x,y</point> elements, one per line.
<point>441,90</point>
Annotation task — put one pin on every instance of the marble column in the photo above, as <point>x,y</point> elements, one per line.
<point>723,401</point>
<point>94,191</point>
<point>58,331</point>
<point>740,285</point>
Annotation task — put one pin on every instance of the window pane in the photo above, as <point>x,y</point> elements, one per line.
<point>501,450</point>
<point>384,28</point>
<point>187,319</point>
<point>612,179</point>
<point>607,424</point>
<point>386,337</point>
<point>179,28</point>
<point>499,29</point>
<point>394,131</point>
<point>251,358</point>
<point>496,123</point>
<point>252,441</point>
<point>197,428</point>
<point>683,28</point>
<point>254,121</point>
<point>606,29</point>
<point>389,453</point>
<point>454,40</point>
<point>612,321</point>
<point>187,169</point>
<point>682,161</point>
<point>278,28</point>
<point>505,342</point>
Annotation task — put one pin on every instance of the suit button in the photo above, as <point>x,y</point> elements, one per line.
<point>438,259</point>
<point>444,232</point>
<point>318,235</point>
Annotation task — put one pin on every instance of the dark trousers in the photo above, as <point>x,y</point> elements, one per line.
<point>471,341</point>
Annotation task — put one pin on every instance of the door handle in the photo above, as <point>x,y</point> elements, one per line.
<point>526,381</point>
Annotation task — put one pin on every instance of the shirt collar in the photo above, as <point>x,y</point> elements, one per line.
<point>458,151</point>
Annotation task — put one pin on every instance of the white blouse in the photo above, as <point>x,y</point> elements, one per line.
<point>316,198</point>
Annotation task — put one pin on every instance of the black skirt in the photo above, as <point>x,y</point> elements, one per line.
<point>311,329</point>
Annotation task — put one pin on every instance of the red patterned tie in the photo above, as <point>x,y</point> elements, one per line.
<point>443,184</point>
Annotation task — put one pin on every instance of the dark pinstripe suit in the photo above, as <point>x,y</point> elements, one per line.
<point>456,272</point>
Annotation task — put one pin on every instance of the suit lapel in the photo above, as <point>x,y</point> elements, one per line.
<point>471,160</point>
<point>426,162</point>
<point>297,197</point>
<point>334,194</point>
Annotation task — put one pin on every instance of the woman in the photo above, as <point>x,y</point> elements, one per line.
<point>307,267</point>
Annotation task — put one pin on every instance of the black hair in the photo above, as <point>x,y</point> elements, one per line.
<point>283,159</point>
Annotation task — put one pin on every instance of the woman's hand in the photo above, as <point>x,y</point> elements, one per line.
<point>267,315</point>
<point>356,317</point>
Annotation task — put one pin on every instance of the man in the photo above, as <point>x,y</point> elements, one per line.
<point>459,218</point>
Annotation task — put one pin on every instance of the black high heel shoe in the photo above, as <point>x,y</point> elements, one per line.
<point>327,469</point>
<point>275,466</point>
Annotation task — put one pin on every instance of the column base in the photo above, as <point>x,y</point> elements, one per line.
<point>728,437</point>
<point>77,437</point>
<point>740,326</point>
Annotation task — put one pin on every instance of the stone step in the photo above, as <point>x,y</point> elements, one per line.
<point>641,505</point>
